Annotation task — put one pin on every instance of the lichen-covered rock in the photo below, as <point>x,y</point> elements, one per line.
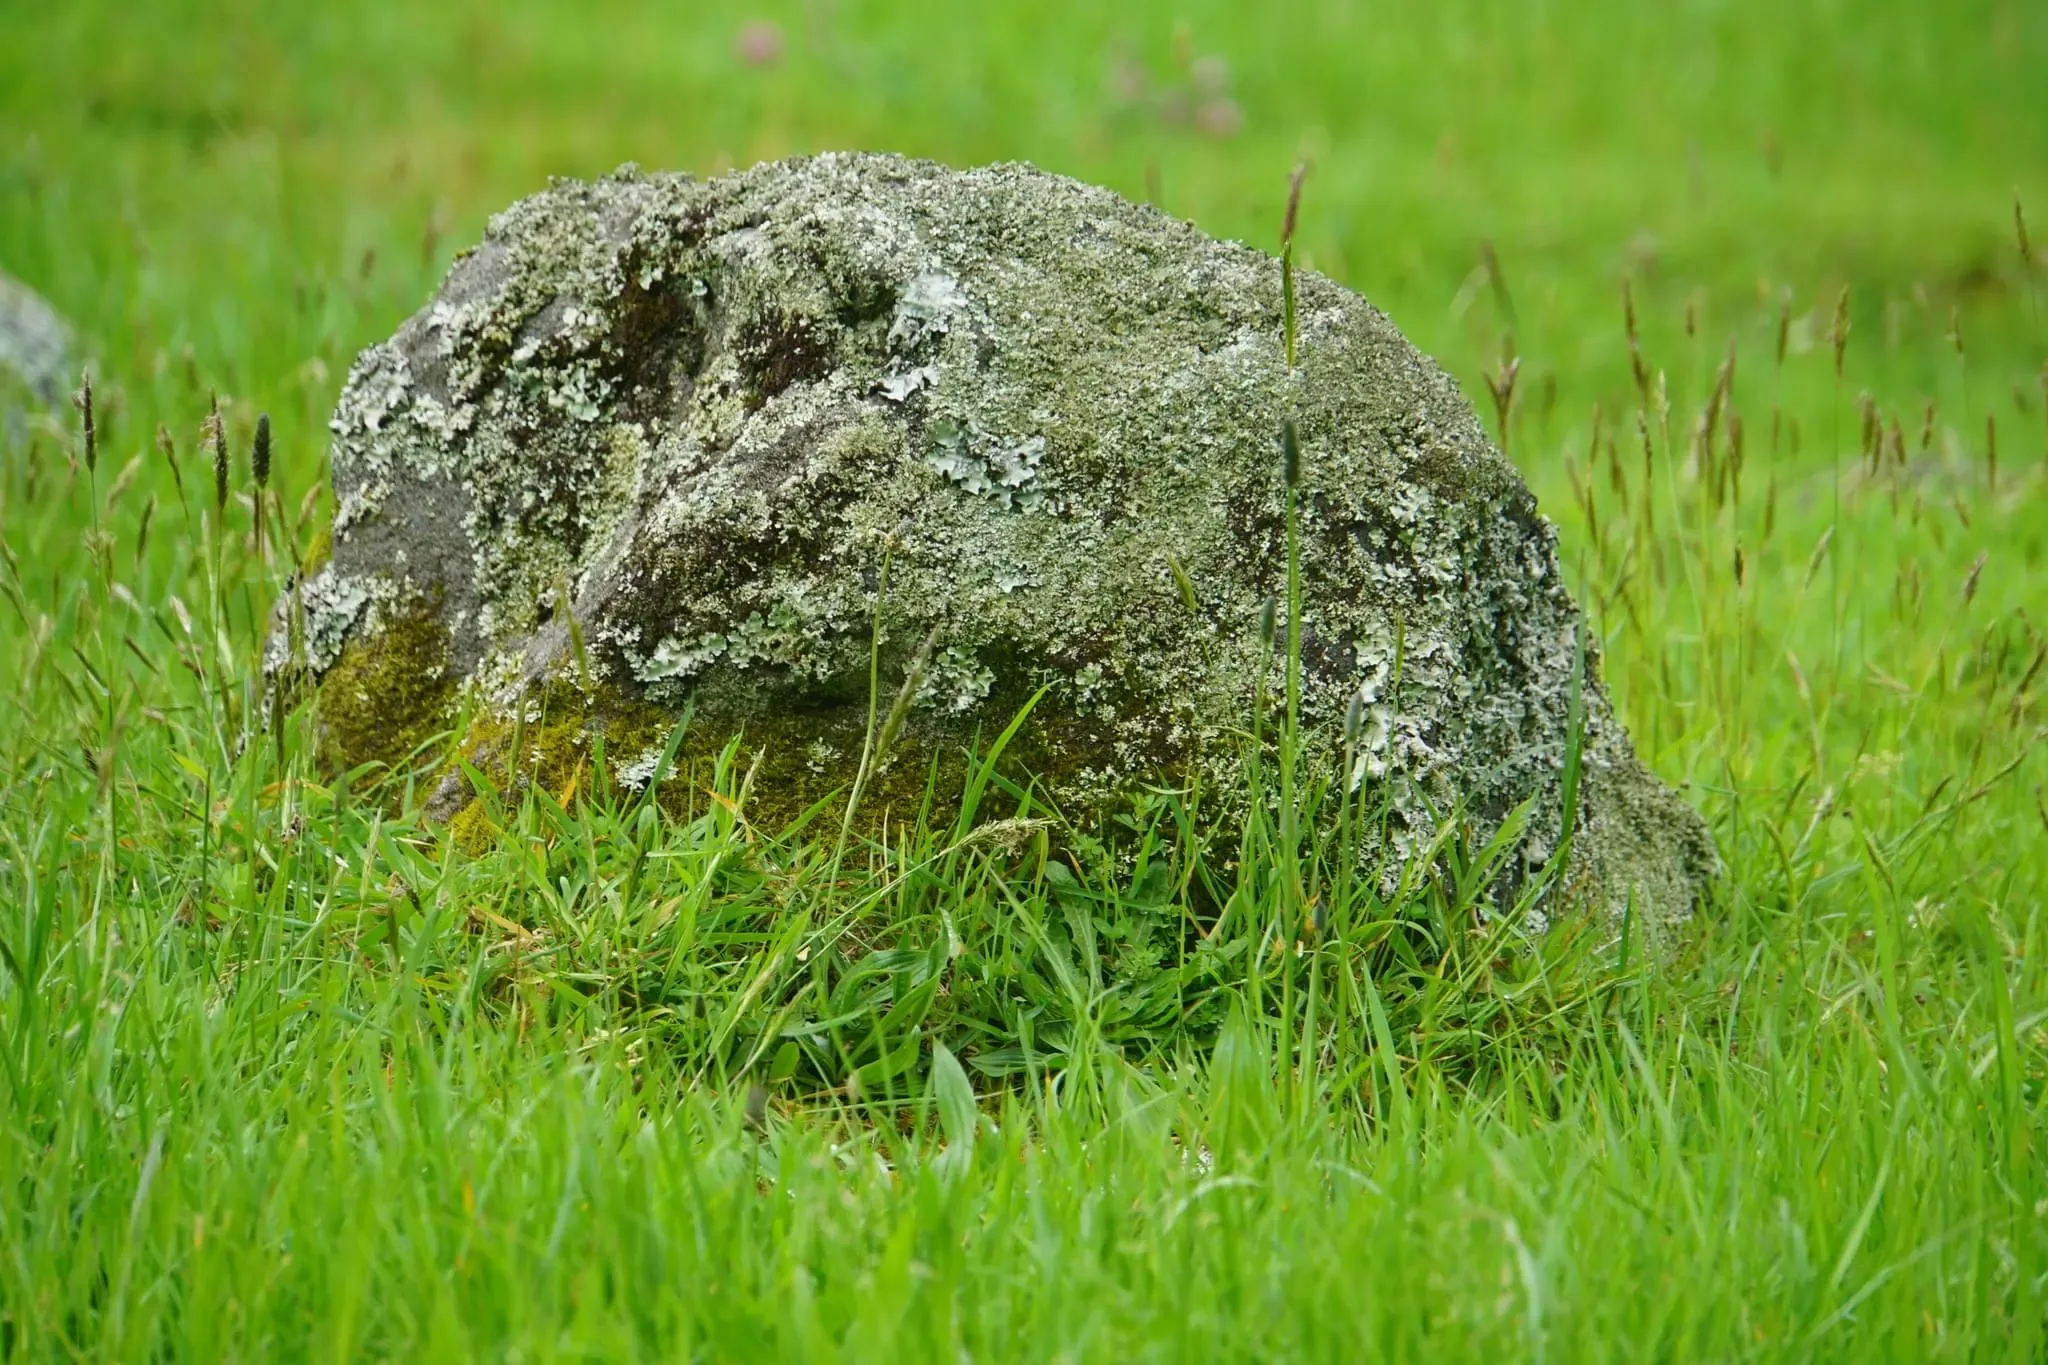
<point>654,441</point>
<point>35,352</point>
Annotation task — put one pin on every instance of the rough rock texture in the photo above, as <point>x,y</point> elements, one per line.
<point>35,351</point>
<point>704,409</point>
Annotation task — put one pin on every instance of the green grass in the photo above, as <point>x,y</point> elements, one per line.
<point>288,1075</point>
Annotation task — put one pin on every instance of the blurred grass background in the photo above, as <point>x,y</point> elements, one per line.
<point>269,184</point>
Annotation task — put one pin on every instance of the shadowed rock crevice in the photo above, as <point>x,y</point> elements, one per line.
<point>703,413</point>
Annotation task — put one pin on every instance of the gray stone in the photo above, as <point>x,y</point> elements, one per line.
<point>36,361</point>
<point>710,411</point>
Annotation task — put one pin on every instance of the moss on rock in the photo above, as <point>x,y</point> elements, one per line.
<point>390,690</point>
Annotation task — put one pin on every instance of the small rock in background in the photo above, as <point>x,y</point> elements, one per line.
<point>35,352</point>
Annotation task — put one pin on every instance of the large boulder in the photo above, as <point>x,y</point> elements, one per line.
<point>653,443</point>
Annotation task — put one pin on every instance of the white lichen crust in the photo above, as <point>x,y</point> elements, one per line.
<point>707,410</point>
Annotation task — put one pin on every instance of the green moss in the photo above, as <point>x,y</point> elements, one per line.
<point>789,777</point>
<point>390,690</point>
<point>471,826</point>
<point>554,745</point>
<point>799,757</point>
<point>796,759</point>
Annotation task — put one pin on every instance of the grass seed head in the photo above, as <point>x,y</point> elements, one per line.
<point>1497,281</point>
<point>217,433</point>
<point>1293,216</point>
<point>124,480</point>
<point>1354,718</point>
<point>168,448</point>
<point>2019,223</point>
<point>1635,349</point>
<point>1501,384</point>
<point>906,696</point>
<point>1717,402</point>
<point>259,453</point>
<point>1183,582</point>
<point>1290,454</point>
<point>82,400</point>
<point>1287,225</point>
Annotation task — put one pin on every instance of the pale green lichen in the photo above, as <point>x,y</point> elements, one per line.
<point>956,681</point>
<point>713,410</point>
<point>989,467</point>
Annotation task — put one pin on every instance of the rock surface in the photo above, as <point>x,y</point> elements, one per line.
<point>705,412</point>
<point>35,349</point>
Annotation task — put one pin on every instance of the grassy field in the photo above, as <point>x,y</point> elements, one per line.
<point>289,1076</point>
